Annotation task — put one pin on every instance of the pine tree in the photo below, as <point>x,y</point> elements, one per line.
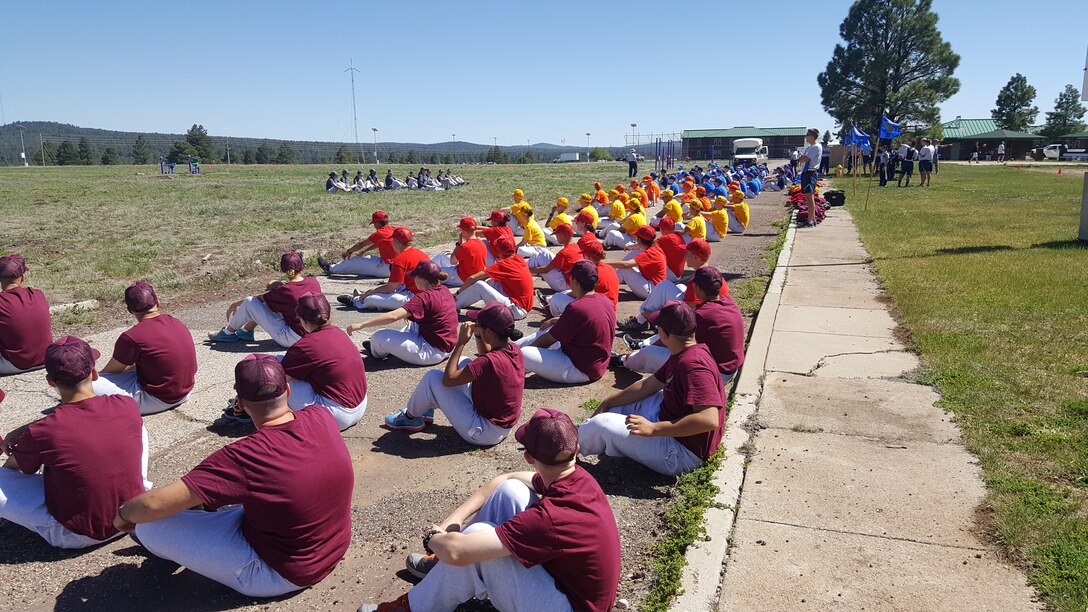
<point>198,137</point>
<point>110,157</point>
<point>1067,117</point>
<point>86,154</point>
<point>247,157</point>
<point>46,155</point>
<point>180,151</point>
<point>344,155</point>
<point>141,151</point>
<point>66,154</point>
<point>264,154</point>
<point>412,157</point>
<point>827,137</point>
<point>1013,109</point>
<point>286,154</point>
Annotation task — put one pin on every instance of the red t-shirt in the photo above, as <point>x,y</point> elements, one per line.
<point>403,263</point>
<point>497,385</point>
<point>608,283</point>
<point>572,533</point>
<point>283,300</point>
<point>25,329</point>
<point>382,238</point>
<point>692,379</point>
<point>587,237</point>
<point>689,294</point>
<point>565,259</point>
<point>674,247</point>
<point>585,331</point>
<point>512,274</point>
<point>490,233</point>
<point>651,263</point>
<point>435,311</point>
<point>328,360</point>
<point>471,257</point>
<point>720,326</point>
<point>165,357</point>
<point>92,453</point>
<point>294,482</point>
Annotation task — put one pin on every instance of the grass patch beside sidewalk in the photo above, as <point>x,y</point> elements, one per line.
<point>987,276</point>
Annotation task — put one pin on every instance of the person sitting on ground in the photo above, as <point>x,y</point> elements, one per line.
<point>719,325</point>
<point>586,201</point>
<point>540,540</point>
<point>411,181</point>
<point>625,235</point>
<point>25,325</point>
<point>696,224</point>
<point>672,209</point>
<point>274,311</point>
<point>583,227</point>
<point>636,189</point>
<point>557,271</point>
<point>646,269</point>
<point>556,217</point>
<point>739,213</point>
<point>499,225</point>
<point>576,346</point>
<point>671,421</point>
<point>600,196</point>
<point>608,284</point>
<point>284,513</point>
<point>469,255</point>
<point>507,281</point>
<point>533,244</point>
<point>480,397</point>
<point>519,202</point>
<point>399,288</point>
<point>373,178</point>
<point>719,219</point>
<point>323,368</point>
<point>696,255</point>
<point>154,361</point>
<point>356,261</point>
<point>335,185</point>
<point>615,213</point>
<point>390,180</point>
<point>431,331</point>
<point>651,189</point>
<point>672,243</point>
<point>91,451</point>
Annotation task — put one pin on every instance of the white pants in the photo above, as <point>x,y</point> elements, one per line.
<point>252,309</point>
<point>549,236</point>
<point>662,293</point>
<point>617,239</point>
<point>362,265</point>
<point>712,233</point>
<point>384,301</point>
<point>651,357</point>
<point>303,395</point>
<point>443,261</point>
<point>6,367</point>
<point>558,302</point>
<point>22,501</point>
<point>556,280</point>
<point>607,434</point>
<point>212,544</point>
<point>550,363</point>
<point>607,226</point>
<point>515,226</point>
<point>407,345</point>
<point>505,582</point>
<point>456,404</point>
<point>128,383</point>
<point>734,225</point>
<point>634,280</point>
<point>484,291</point>
<point>536,256</point>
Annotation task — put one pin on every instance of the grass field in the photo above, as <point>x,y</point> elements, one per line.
<point>988,278</point>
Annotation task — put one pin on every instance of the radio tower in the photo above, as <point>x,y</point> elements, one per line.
<point>351,69</point>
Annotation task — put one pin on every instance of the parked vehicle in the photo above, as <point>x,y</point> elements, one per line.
<point>750,150</point>
<point>567,157</point>
<point>1062,153</point>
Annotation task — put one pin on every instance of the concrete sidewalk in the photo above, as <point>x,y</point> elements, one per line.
<point>859,494</point>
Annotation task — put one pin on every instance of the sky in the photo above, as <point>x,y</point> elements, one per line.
<point>486,71</point>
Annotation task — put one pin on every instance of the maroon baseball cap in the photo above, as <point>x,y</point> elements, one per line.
<point>140,297</point>
<point>403,235</point>
<point>291,260</point>
<point>591,248</point>
<point>709,279</point>
<point>69,360</point>
<point>666,223</point>
<point>467,223</point>
<point>1,401</point>
<point>12,266</point>
<point>495,316</point>
<point>585,272</point>
<point>564,228</point>
<point>258,378</point>
<point>675,317</point>
<point>549,436</point>
<point>699,248</point>
<point>379,216</point>
<point>312,305</point>
<point>429,271</point>
<point>502,246</point>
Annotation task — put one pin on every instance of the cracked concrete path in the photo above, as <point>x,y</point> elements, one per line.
<point>859,494</point>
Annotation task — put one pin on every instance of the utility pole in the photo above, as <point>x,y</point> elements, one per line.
<point>228,150</point>
<point>375,130</point>
<point>351,69</point>
<point>22,146</point>
<point>42,143</point>
<point>454,143</point>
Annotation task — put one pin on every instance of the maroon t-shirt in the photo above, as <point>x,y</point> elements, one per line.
<point>165,357</point>
<point>720,326</point>
<point>572,532</point>
<point>691,379</point>
<point>25,329</point>
<point>92,453</point>
<point>435,311</point>
<point>497,384</point>
<point>328,360</point>
<point>585,331</point>
<point>294,482</point>
<point>283,300</point>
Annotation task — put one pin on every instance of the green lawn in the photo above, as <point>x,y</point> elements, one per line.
<point>986,274</point>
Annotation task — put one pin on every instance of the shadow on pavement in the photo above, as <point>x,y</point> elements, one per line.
<point>446,442</point>
<point>624,477</point>
<point>19,545</point>
<point>260,346</point>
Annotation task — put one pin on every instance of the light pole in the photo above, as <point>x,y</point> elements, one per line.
<point>633,126</point>
<point>588,148</point>
<point>22,146</point>
<point>375,130</point>
<point>454,143</point>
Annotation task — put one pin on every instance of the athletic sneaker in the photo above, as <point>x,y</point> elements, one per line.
<point>615,361</point>
<point>540,298</point>
<point>632,324</point>
<point>419,564</point>
<point>400,421</point>
<point>223,336</point>
<point>400,604</point>
<point>244,335</point>
<point>234,413</point>
<point>346,300</point>
<point>632,343</point>
<point>324,264</point>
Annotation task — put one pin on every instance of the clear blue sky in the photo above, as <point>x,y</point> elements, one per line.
<point>543,71</point>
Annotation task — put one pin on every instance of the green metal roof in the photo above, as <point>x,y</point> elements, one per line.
<point>1078,135</point>
<point>960,128</point>
<point>744,131</point>
<point>1007,135</point>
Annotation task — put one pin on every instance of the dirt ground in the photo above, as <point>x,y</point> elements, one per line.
<point>404,483</point>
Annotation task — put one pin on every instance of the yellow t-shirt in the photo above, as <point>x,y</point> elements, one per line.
<point>521,209</point>
<point>618,211</point>
<point>720,219</point>
<point>674,210</point>
<point>741,212</point>
<point>592,212</point>
<point>559,219</point>
<point>533,234</point>
<point>697,227</point>
<point>633,222</point>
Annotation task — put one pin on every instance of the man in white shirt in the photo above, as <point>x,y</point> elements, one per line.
<point>794,156</point>
<point>1001,151</point>
<point>632,164</point>
<point>925,162</point>
<point>810,166</point>
<point>883,162</point>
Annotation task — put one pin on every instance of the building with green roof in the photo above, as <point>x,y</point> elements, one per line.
<point>718,143</point>
<point>960,136</point>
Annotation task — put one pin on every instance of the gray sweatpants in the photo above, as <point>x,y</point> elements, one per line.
<point>551,362</point>
<point>607,434</point>
<point>456,404</point>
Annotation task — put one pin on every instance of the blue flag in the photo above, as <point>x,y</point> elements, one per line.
<point>888,130</point>
<point>860,138</point>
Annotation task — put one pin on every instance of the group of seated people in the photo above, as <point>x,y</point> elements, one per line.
<point>366,184</point>
<point>261,517</point>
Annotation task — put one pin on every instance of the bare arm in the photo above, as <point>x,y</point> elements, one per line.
<point>383,319</point>
<point>154,505</point>
<point>359,248</point>
<point>454,375</point>
<point>116,367</point>
<point>628,263</point>
<point>702,420</point>
<point>635,392</point>
<point>472,505</point>
<point>388,287</point>
<point>543,340</point>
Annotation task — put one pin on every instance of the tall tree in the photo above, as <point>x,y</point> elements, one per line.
<point>198,137</point>
<point>66,154</point>
<point>46,155</point>
<point>894,62</point>
<point>180,151</point>
<point>110,157</point>
<point>1013,109</point>
<point>344,155</point>
<point>264,154</point>
<point>1067,117</point>
<point>411,157</point>
<point>286,154</point>
<point>247,157</point>
<point>141,151</point>
<point>86,154</point>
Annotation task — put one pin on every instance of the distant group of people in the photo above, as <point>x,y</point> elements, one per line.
<point>443,181</point>
<point>901,160</point>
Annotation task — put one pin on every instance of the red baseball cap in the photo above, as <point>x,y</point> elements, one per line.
<point>140,297</point>
<point>12,266</point>
<point>549,436</point>
<point>592,249</point>
<point>312,305</point>
<point>675,317</point>
<point>699,248</point>
<point>467,223</point>
<point>291,260</point>
<point>666,224</point>
<point>403,234</point>
<point>584,217</point>
<point>495,316</point>
<point>258,378</point>
<point>565,229</point>
<point>498,217</point>
<point>69,360</point>
<point>502,246</point>
<point>646,233</point>
<point>379,216</point>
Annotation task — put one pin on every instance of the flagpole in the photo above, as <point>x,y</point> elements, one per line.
<point>869,188</point>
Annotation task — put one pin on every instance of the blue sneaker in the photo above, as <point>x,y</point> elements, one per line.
<point>244,336</point>
<point>428,418</point>
<point>400,421</point>
<point>233,413</point>
<point>223,336</point>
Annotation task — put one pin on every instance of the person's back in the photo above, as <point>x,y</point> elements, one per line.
<point>165,359</point>
<point>719,325</point>
<point>25,327</point>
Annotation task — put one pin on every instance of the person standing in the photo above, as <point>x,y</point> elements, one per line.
<point>795,155</point>
<point>1001,152</point>
<point>632,164</point>
<point>925,163</point>
<point>810,162</point>
<point>974,154</point>
<point>825,160</point>
<point>907,154</point>
<point>882,166</point>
